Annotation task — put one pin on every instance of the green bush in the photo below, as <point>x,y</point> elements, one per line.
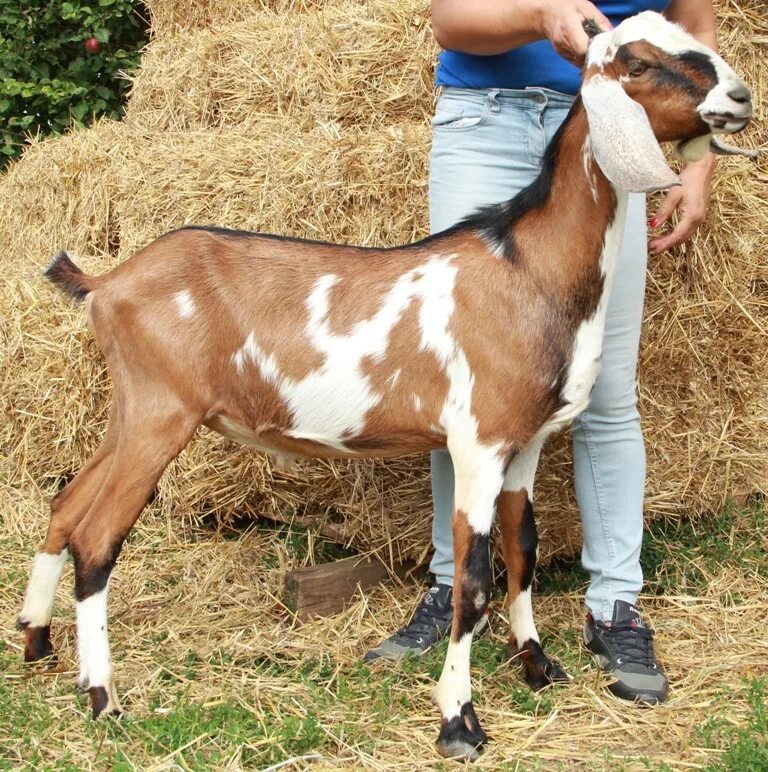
<point>49,78</point>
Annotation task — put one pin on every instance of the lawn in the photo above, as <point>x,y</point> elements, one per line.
<point>215,675</point>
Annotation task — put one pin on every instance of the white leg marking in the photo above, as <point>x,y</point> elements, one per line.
<point>41,590</point>
<point>479,477</point>
<point>454,688</point>
<point>185,303</point>
<point>522,470</point>
<point>521,618</point>
<point>92,641</point>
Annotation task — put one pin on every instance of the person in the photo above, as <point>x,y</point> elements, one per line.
<point>506,79</point>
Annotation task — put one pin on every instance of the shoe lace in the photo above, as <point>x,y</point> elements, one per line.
<point>424,621</point>
<point>634,644</point>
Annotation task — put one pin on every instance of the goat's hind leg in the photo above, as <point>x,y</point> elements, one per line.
<point>68,508</point>
<point>144,449</point>
<point>520,550</point>
<point>478,482</point>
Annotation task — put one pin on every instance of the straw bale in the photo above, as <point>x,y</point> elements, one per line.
<point>310,172</point>
<point>368,64</point>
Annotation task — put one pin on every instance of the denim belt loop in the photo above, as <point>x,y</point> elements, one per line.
<point>493,101</point>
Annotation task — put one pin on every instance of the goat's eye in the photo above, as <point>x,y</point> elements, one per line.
<point>637,68</point>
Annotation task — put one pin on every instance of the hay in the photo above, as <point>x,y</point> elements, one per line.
<point>321,155</point>
<point>356,64</point>
<point>194,621</point>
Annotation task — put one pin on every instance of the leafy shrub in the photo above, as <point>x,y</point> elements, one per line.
<point>49,78</point>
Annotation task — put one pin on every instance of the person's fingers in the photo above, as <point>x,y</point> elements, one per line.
<point>681,233</point>
<point>575,40</point>
<point>671,202</point>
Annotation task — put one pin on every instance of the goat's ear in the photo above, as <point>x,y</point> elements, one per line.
<point>622,139</point>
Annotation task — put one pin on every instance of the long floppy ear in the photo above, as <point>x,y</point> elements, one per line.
<point>622,139</point>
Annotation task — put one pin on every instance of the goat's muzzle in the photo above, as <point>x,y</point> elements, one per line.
<point>727,108</point>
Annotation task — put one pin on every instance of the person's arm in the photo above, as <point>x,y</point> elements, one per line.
<point>698,17</point>
<point>492,26</point>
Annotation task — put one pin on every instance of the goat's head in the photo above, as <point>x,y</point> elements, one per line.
<point>647,81</point>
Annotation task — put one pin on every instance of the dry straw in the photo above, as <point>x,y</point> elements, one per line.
<point>311,119</point>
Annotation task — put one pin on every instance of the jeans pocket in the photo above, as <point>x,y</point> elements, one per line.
<point>452,114</point>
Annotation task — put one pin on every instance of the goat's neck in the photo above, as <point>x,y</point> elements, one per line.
<point>566,238</point>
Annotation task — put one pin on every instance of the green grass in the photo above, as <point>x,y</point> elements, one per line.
<point>745,747</point>
<point>681,556</point>
<point>320,703</point>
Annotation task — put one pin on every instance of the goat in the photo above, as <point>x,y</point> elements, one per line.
<point>484,338</point>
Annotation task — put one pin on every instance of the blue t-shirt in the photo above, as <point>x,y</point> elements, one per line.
<point>536,64</point>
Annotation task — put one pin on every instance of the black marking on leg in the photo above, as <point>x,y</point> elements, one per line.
<point>476,579</point>
<point>91,577</point>
<point>99,700</point>
<point>540,670</point>
<point>37,643</point>
<point>462,736</point>
<point>529,540</point>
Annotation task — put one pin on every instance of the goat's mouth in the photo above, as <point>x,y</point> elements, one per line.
<point>729,122</point>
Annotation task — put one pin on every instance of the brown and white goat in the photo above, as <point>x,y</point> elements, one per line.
<point>484,338</point>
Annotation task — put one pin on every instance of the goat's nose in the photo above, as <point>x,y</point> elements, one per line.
<point>739,94</point>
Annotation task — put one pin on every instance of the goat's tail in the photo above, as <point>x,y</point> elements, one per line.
<point>66,275</point>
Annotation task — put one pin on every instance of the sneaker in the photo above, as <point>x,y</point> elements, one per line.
<point>625,650</point>
<point>430,624</point>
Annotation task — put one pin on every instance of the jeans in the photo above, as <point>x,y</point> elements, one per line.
<point>486,146</point>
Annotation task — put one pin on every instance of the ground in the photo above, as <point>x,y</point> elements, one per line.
<point>214,675</point>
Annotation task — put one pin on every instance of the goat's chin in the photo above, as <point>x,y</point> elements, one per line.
<point>693,149</point>
<point>696,148</point>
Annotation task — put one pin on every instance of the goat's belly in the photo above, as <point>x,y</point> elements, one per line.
<point>284,444</point>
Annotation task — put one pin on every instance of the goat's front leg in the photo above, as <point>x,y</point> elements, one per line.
<point>520,549</point>
<point>478,482</point>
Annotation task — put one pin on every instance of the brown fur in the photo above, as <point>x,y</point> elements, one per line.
<point>515,318</point>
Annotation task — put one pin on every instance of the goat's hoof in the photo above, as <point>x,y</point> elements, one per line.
<point>552,673</point>
<point>540,670</point>
<point>37,643</point>
<point>104,702</point>
<point>462,737</point>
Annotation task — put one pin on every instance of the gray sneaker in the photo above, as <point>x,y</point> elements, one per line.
<point>625,651</point>
<point>430,623</point>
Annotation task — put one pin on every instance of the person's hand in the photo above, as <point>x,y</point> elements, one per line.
<point>690,199</point>
<point>562,25</point>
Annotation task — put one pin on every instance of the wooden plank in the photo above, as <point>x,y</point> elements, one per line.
<point>327,588</point>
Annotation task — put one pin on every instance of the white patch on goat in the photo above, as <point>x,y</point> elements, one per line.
<point>92,641</point>
<point>454,688</point>
<point>478,467</point>
<point>521,618</point>
<point>41,590</point>
<point>417,402</point>
<point>185,304</point>
<point>588,342</point>
<point>588,159</point>
<point>332,401</point>
<point>521,471</point>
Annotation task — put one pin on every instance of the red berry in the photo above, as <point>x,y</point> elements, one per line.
<point>92,46</point>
